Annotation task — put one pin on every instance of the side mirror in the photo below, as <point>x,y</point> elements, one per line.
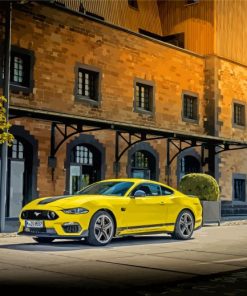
<point>139,193</point>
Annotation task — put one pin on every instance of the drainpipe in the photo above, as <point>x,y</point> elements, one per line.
<point>4,160</point>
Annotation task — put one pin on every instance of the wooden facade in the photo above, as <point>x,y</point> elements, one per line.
<point>119,13</point>
<point>196,21</point>
<point>209,26</point>
<point>231,30</point>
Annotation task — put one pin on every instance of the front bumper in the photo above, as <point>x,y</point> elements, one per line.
<point>61,227</point>
<point>51,233</point>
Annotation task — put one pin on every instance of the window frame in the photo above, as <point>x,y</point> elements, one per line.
<point>195,108</point>
<point>242,104</point>
<point>28,70</point>
<point>238,177</point>
<point>97,80</point>
<point>151,86</point>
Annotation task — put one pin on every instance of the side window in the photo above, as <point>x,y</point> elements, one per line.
<point>149,189</point>
<point>155,189</point>
<point>166,191</point>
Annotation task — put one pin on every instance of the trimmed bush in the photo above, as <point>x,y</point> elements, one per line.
<point>201,185</point>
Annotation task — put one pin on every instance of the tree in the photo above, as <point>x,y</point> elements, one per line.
<point>5,136</point>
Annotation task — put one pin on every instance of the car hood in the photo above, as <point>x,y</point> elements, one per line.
<point>65,201</point>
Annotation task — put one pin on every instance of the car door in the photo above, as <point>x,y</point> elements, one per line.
<point>148,211</point>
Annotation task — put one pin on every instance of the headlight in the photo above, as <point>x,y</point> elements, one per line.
<point>76,211</point>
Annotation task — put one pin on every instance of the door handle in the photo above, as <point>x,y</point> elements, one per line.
<point>162,203</point>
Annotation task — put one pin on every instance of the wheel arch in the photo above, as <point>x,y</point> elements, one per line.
<point>191,211</point>
<point>112,215</point>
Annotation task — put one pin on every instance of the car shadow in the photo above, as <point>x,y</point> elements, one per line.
<point>72,245</point>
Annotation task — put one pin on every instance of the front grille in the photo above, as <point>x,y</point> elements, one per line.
<point>71,228</point>
<point>39,215</point>
<point>35,230</point>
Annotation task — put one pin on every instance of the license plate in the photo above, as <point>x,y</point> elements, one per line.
<point>34,224</point>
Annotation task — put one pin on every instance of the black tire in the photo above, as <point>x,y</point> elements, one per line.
<point>43,240</point>
<point>101,229</point>
<point>184,226</point>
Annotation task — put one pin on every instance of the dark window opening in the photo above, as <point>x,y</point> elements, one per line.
<point>133,4</point>
<point>150,34</point>
<point>87,86</point>
<point>239,189</point>
<point>175,39</point>
<point>144,96</point>
<point>189,164</point>
<point>239,114</point>
<point>189,107</point>
<point>191,1</point>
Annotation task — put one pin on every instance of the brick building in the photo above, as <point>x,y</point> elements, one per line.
<point>102,89</point>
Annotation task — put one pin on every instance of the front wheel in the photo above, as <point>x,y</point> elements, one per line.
<point>43,240</point>
<point>101,229</point>
<point>184,226</point>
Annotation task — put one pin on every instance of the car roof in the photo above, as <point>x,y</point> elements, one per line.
<point>135,180</point>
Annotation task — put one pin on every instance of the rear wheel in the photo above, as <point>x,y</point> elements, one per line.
<point>43,240</point>
<point>184,226</point>
<point>101,229</point>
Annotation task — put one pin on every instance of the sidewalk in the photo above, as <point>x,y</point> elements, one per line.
<point>233,220</point>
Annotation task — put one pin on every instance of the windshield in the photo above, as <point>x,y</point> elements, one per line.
<point>107,188</point>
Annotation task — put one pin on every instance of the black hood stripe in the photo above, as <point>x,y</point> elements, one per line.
<point>52,199</point>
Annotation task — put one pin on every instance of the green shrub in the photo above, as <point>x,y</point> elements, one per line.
<point>202,185</point>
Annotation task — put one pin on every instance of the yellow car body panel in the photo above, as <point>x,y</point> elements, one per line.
<point>132,215</point>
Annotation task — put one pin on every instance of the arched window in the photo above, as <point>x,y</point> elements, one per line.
<point>82,155</point>
<point>85,166</point>
<point>140,160</point>
<point>85,163</point>
<point>16,151</point>
<point>189,164</point>
<point>143,165</point>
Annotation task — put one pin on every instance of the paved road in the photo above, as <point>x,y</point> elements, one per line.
<point>150,265</point>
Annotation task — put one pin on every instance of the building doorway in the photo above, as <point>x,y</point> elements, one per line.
<point>84,164</point>
<point>20,177</point>
<point>189,164</point>
<point>143,162</point>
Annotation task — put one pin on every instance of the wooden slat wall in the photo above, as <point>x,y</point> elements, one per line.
<point>119,13</point>
<point>196,21</point>
<point>231,29</point>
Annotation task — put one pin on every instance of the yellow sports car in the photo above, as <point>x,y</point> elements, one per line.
<point>111,208</point>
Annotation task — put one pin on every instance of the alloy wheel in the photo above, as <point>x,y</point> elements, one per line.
<point>103,229</point>
<point>186,224</point>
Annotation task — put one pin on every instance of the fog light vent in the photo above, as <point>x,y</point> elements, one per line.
<point>71,227</point>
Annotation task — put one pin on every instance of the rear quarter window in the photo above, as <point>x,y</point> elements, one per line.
<point>166,191</point>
